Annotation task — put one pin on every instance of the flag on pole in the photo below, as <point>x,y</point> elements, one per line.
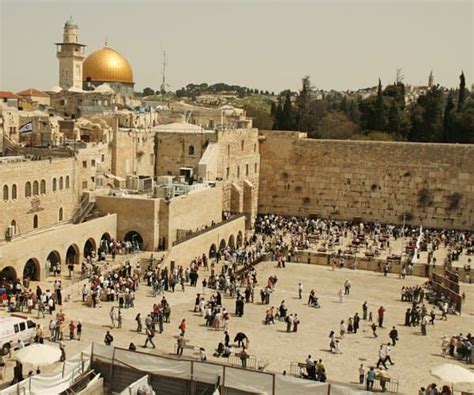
<point>26,128</point>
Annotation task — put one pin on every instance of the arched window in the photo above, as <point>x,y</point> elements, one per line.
<point>35,188</point>
<point>43,187</point>
<point>14,191</point>
<point>191,150</point>
<point>28,189</point>
<point>61,183</point>
<point>35,222</point>
<point>55,185</point>
<point>242,145</point>
<point>67,181</point>
<point>60,216</point>
<point>5,192</point>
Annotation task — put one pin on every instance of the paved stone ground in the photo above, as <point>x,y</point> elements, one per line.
<point>414,355</point>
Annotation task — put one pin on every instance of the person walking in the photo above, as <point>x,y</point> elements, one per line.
<point>150,334</point>
<point>371,375</point>
<point>382,356</point>
<point>300,291</point>
<point>388,352</point>
<point>347,287</point>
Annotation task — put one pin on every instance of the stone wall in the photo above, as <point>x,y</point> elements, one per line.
<point>432,184</point>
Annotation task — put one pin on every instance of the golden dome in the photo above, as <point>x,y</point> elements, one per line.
<point>107,65</point>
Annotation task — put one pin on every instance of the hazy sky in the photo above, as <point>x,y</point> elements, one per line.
<point>260,44</point>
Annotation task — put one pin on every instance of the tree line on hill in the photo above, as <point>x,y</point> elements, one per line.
<point>438,115</point>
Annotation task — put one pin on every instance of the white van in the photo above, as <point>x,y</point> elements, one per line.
<point>14,328</point>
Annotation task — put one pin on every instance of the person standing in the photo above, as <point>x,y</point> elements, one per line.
<point>424,323</point>
<point>356,322</point>
<point>296,322</point>
<point>393,336</point>
<point>138,319</point>
<point>340,293</point>
<point>79,330</point>
<point>300,290</point>
<point>347,287</point>
<point>289,322</point>
<point>361,373</point>
<point>72,330</point>
<point>108,338</point>
<point>365,309</point>
<point>381,314</point>
<point>182,327</point>
<point>181,342</point>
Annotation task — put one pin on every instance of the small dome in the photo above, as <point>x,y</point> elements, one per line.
<point>107,65</point>
<point>70,23</point>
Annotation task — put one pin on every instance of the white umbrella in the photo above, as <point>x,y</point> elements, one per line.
<point>453,374</point>
<point>39,354</point>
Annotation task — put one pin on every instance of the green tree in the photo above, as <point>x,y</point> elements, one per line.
<point>148,91</point>
<point>303,106</point>
<point>462,91</point>
<point>448,121</point>
<point>261,119</point>
<point>380,117</point>
<point>336,125</point>
<point>427,117</point>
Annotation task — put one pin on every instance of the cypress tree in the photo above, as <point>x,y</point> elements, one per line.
<point>462,91</point>
<point>448,121</point>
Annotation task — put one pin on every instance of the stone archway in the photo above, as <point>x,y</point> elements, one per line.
<point>8,273</point>
<point>32,270</point>
<point>222,245</point>
<point>89,247</point>
<point>231,243</point>
<point>135,238</point>
<point>54,259</point>
<point>239,239</point>
<point>212,251</point>
<point>72,254</point>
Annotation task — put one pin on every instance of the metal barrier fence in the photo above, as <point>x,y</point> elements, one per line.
<point>180,376</point>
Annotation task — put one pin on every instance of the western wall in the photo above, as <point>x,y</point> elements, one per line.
<point>431,184</point>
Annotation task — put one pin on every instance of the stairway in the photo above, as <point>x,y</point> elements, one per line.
<point>84,210</point>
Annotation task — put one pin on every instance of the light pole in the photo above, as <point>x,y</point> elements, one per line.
<point>401,244</point>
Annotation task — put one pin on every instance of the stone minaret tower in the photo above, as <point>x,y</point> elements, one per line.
<point>70,55</point>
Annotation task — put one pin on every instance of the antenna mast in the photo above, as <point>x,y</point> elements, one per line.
<point>163,74</point>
